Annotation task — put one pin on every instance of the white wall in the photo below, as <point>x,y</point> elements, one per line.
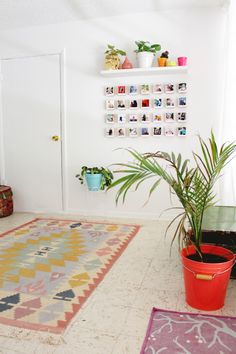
<point>198,34</point>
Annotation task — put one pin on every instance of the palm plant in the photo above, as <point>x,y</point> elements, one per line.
<point>192,185</point>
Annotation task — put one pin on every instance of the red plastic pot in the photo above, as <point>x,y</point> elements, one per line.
<point>182,61</point>
<point>206,283</point>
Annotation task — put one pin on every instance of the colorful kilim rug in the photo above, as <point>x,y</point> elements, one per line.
<point>49,267</point>
<point>190,333</point>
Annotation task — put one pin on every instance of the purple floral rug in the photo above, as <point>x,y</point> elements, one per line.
<point>178,332</point>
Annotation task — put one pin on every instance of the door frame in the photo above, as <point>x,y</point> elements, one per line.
<point>62,58</point>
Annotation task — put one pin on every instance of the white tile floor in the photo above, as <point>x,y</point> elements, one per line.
<point>115,317</point>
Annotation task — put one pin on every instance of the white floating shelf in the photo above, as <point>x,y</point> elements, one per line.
<point>148,71</point>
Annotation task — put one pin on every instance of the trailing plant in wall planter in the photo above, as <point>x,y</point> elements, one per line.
<point>145,53</point>
<point>97,178</point>
<point>206,267</point>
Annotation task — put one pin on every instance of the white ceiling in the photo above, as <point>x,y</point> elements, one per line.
<point>25,13</point>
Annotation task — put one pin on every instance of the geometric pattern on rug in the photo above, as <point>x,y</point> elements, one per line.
<point>190,333</point>
<point>49,267</point>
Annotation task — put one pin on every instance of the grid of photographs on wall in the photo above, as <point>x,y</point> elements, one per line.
<point>146,110</point>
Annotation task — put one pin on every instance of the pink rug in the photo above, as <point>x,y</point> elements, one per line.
<point>173,332</point>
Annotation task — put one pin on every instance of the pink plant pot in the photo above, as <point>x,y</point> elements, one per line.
<point>182,61</point>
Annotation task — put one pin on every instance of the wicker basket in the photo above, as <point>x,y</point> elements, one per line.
<point>6,201</point>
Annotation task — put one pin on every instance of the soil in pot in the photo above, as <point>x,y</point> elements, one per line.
<point>207,258</point>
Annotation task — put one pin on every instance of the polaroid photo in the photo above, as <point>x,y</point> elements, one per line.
<point>133,104</point>
<point>169,88</point>
<point>144,131</point>
<point>182,101</point>
<point>182,131</point>
<point>145,118</point>
<point>133,90</point>
<point>157,118</point>
<point>121,118</point>
<point>145,103</point>
<point>170,117</point>
<point>110,104</point>
<point>109,91</point>
<point>133,118</point>
<point>133,132</point>
<point>110,118</point>
<point>182,87</point>
<point>157,131</point>
<point>121,90</point>
<point>169,102</point>
<point>157,103</point>
<point>109,132</point>
<point>121,104</point>
<point>181,116</point>
<point>157,88</point>
<point>169,131</point>
<point>145,89</point>
<point>120,132</point>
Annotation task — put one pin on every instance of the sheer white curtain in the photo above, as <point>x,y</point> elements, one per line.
<point>228,125</point>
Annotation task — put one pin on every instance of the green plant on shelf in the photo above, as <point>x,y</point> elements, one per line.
<point>147,47</point>
<point>112,51</point>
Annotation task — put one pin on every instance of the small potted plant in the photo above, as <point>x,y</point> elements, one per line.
<point>206,267</point>
<point>112,59</point>
<point>145,53</point>
<point>97,178</point>
<point>163,58</point>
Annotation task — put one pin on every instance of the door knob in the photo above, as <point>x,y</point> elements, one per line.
<point>55,138</point>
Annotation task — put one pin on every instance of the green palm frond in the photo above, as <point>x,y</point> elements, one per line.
<point>192,185</point>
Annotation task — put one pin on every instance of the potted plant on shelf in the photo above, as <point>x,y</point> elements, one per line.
<point>206,267</point>
<point>97,178</point>
<point>145,53</point>
<point>112,59</point>
<point>163,58</point>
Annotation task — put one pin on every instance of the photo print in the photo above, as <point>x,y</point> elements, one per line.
<point>182,87</point>
<point>133,118</point>
<point>121,118</point>
<point>121,90</point>
<point>182,131</point>
<point>109,91</point>
<point>169,131</point>
<point>169,117</point>
<point>157,88</point>
<point>144,131</point>
<point>157,102</point>
<point>145,103</point>
<point>133,104</point>
<point>133,132</point>
<point>145,118</point>
<point>133,90</point>
<point>110,118</point>
<point>157,131</point>
<point>121,104</point>
<point>181,116</point>
<point>145,89</point>
<point>120,132</point>
<point>169,102</point>
<point>109,132</point>
<point>182,101</point>
<point>110,104</point>
<point>169,88</point>
<point>157,118</point>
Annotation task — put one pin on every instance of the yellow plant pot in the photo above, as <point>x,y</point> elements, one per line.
<point>112,62</point>
<point>162,61</point>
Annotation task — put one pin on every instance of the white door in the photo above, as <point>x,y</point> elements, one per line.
<point>31,117</point>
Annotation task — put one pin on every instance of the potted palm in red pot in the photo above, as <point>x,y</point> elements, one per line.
<point>206,267</point>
